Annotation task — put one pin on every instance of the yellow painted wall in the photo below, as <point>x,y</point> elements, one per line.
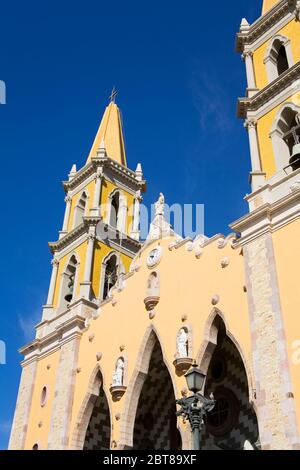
<point>188,291</point>
<point>268,4</point>
<point>38,413</point>
<point>287,255</point>
<point>291,31</point>
<point>264,127</point>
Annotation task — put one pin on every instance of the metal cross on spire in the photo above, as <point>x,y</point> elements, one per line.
<point>113,95</point>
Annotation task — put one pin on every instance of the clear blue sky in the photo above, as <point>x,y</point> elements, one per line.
<point>178,77</point>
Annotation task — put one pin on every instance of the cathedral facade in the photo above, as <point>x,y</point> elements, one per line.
<point>123,321</point>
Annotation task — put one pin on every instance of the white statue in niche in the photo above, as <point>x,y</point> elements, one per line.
<point>118,374</point>
<point>160,205</point>
<point>182,343</point>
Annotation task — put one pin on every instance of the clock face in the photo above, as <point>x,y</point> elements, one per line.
<point>154,257</point>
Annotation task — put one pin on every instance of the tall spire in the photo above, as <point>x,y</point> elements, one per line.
<point>111,133</point>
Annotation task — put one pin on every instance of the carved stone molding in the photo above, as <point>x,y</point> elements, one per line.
<point>117,391</point>
<point>263,24</point>
<point>183,364</point>
<point>151,302</point>
<point>270,91</point>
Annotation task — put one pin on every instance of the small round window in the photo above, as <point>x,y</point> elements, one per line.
<point>44,396</point>
<point>224,417</point>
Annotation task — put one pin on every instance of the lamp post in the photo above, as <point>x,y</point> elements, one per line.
<point>195,407</point>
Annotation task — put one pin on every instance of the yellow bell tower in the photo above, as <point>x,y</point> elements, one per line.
<point>100,233</point>
<point>270,48</point>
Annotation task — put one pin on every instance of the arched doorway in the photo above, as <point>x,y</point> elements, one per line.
<point>97,435</point>
<point>155,426</point>
<point>232,425</point>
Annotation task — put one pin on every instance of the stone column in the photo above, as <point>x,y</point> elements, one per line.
<point>248,58</point>
<point>95,211</point>
<point>86,285</point>
<point>122,214</point>
<point>135,233</point>
<point>55,265</point>
<point>64,231</point>
<point>275,403</point>
<point>20,422</point>
<point>59,433</point>
<point>257,176</point>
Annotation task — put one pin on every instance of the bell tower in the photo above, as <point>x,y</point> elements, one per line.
<point>269,232</point>
<point>94,250</point>
<point>100,232</point>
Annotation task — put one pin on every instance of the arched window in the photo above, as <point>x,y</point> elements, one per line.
<point>114,210</point>
<point>285,134</point>
<point>110,275</point>
<point>80,209</point>
<point>278,58</point>
<point>282,60</point>
<point>68,283</point>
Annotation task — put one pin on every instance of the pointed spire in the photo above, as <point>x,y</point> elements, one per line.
<point>72,172</point>
<point>111,132</point>
<point>244,26</point>
<point>139,172</point>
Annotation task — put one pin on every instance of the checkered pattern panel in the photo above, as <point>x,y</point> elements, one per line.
<point>236,381</point>
<point>155,423</point>
<point>98,431</point>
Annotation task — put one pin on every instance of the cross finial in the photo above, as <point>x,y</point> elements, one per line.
<point>113,95</point>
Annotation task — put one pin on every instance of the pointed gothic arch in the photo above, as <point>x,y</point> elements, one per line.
<point>233,423</point>
<point>134,408</point>
<point>94,406</point>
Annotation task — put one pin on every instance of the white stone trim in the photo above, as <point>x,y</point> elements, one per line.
<point>77,207</point>
<point>281,150</point>
<point>270,56</point>
<point>103,268</point>
<point>276,100</point>
<point>64,277</point>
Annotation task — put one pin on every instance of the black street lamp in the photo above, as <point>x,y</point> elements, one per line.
<point>195,407</point>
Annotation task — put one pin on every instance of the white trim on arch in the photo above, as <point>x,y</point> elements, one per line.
<point>103,269</point>
<point>64,279</point>
<point>270,59</point>
<point>78,212</point>
<point>280,148</point>
<point>122,210</point>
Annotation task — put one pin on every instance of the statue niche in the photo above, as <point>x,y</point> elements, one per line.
<point>182,360</point>
<point>117,388</point>
<point>153,292</point>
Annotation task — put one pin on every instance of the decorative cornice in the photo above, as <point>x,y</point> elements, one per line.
<point>68,238</point>
<point>105,163</point>
<point>266,213</point>
<point>270,91</point>
<point>38,344</point>
<point>114,239</point>
<point>265,22</point>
